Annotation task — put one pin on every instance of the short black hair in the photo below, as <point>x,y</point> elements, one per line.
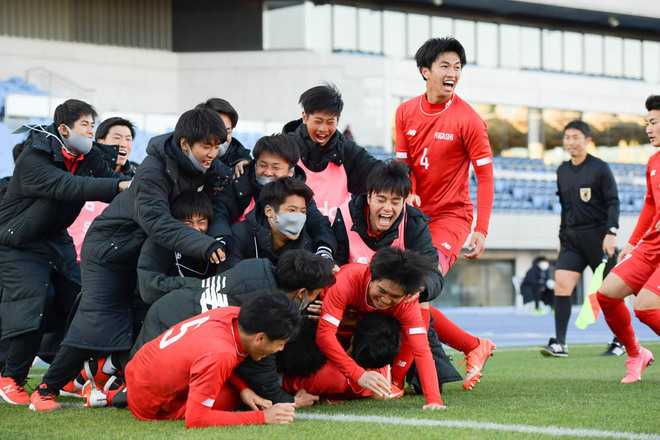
<point>406,268</point>
<point>580,125</point>
<point>17,150</point>
<point>390,176</point>
<point>221,106</point>
<point>281,145</point>
<point>653,102</point>
<point>189,203</point>
<point>301,357</point>
<point>272,313</point>
<point>71,110</point>
<point>434,47</point>
<point>275,193</point>
<point>200,124</point>
<point>299,268</point>
<point>376,341</point>
<point>323,98</point>
<point>105,126</point>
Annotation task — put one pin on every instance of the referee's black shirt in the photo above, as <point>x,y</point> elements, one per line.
<point>588,195</point>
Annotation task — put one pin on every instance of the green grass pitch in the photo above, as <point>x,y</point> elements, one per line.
<point>521,396</point>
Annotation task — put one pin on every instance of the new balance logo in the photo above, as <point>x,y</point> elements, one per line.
<point>412,132</point>
<point>444,136</point>
<point>8,389</point>
<point>653,172</point>
<point>446,245</point>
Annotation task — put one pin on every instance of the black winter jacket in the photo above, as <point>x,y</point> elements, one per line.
<point>417,237</point>
<point>339,150</point>
<point>230,204</point>
<point>235,153</point>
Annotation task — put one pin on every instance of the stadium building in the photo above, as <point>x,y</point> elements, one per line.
<point>532,67</point>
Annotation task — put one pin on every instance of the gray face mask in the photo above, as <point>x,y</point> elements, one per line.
<point>301,303</point>
<point>264,180</point>
<point>198,166</point>
<point>223,148</point>
<point>290,223</point>
<point>79,144</point>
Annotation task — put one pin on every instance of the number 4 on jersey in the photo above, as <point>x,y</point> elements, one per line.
<point>424,161</point>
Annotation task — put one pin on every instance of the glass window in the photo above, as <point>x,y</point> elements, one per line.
<point>464,32</point>
<point>441,27</point>
<point>651,61</point>
<point>487,40</point>
<point>608,130</point>
<point>345,28</point>
<point>369,32</point>
<point>284,27</point>
<point>613,56</point>
<point>318,28</point>
<point>530,48</point>
<point>419,30</point>
<point>552,50</point>
<point>593,54</point>
<point>507,126</point>
<point>554,122</point>
<point>477,284</point>
<point>510,46</point>
<point>632,58</point>
<point>573,52</point>
<point>394,36</point>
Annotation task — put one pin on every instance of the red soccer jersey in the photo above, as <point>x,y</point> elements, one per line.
<point>650,214</point>
<point>349,293</point>
<point>329,383</point>
<point>181,373</point>
<point>438,142</point>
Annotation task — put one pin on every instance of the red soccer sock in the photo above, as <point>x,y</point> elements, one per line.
<point>401,363</point>
<point>617,317</point>
<point>650,318</point>
<point>451,334</point>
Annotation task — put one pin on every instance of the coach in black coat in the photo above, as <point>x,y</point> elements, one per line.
<point>104,319</point>
<point>40,276</point>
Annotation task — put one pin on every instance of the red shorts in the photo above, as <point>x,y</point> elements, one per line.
<point>449,234</point>
<point>641,268</point>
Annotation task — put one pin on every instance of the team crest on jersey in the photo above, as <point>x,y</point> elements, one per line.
<point>585,194</point>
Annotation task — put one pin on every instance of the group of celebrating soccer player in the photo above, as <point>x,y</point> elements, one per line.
<point>216,279</point>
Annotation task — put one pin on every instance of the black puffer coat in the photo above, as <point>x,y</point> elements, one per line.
<point>42,200</point>
<point>104,320</point>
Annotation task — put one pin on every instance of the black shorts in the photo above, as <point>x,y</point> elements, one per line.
<point>582,248</point>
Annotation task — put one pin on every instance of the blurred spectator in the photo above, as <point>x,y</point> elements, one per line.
<point>538,284</point>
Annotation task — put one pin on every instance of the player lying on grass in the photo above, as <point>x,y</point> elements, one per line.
<point>189,371</point>
<point>392,277</point>
<point>374,345</point>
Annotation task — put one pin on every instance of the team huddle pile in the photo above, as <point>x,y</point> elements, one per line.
<point>216,280</point>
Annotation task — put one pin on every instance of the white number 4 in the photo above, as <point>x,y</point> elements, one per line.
<point>424,161</point>
<point>184,328</point>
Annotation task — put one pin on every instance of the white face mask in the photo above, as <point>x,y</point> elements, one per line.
<point>223,148</point>
<point>79,144</point>
<point>544,265</point>
<point>196,164</point>
<point>290,223</point>
<point>264,180</point>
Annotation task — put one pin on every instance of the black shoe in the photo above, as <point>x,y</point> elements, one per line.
<point>554,349</point>
<point>614,349</point>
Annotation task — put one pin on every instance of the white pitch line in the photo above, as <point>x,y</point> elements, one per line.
<point>549,430</point>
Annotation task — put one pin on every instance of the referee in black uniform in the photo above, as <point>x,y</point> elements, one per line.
<point>589,222</point>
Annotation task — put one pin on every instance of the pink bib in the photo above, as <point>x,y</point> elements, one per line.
<point>248,209</point>
<point>330,188</point>
<point>359,252</point>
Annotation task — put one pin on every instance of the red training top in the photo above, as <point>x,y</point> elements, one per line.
<point>180,374</point>
<point>438,142</point>
<point>349,294</point>
<point>650,214</point>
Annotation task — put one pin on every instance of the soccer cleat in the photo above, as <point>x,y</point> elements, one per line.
<point>93,371</point>
<point>43,399</point>
<point>395,392</point>
<point>12,391</point>
<point>72,389</point>
<point>614,349</point>
<point>475,361</point>
<point>554,349</point>
<point>636,364</point>
<point>94,398</point>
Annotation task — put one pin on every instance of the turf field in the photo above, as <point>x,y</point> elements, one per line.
<point>522,396</point>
